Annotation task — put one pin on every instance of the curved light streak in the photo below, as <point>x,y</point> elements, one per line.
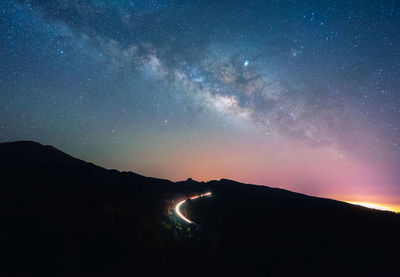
<point>178,206</point>
<point>178,212</point>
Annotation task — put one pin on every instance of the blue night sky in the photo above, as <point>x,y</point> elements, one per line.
<point>302,95</point>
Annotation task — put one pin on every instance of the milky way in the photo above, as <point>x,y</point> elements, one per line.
<point>296,94</point>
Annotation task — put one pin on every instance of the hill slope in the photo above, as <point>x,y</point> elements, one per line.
<point>59,213</point>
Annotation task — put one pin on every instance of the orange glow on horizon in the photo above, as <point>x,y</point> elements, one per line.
<point>376,206</point>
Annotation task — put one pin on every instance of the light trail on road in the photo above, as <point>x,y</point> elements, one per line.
<point>178,206</point>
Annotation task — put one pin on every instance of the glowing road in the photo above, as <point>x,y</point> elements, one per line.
<point>178,206</point>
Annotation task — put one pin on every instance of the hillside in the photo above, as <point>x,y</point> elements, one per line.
<point>61,214</point>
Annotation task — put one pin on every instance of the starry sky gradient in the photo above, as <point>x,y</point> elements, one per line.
<point>302,95</point>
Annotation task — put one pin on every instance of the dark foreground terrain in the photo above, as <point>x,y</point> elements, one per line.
<point>61,214</point>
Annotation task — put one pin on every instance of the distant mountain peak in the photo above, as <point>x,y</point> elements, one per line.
<point>31,153</point>
<point>22,142</point>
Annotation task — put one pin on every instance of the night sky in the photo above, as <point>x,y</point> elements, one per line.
<point>302,95</point>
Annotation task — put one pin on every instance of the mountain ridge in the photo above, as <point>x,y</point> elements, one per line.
<point>62,214</point>
<point>55,157</point>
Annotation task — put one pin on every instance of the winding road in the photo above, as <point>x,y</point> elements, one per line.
<point>178,206</point>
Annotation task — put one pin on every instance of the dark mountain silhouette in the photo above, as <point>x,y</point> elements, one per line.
<point>61,214</point>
